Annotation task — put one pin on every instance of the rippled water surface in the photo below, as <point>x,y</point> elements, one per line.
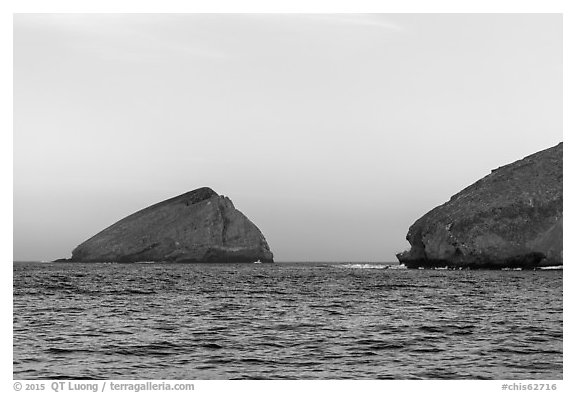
<point>295,321</point>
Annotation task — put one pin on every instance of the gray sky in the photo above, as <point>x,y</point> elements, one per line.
<point>332,133</point>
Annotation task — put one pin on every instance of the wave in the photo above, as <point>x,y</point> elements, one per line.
<point>348,319</point>
<point>369,266</point>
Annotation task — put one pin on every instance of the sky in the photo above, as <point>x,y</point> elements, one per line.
<point>333,133</point>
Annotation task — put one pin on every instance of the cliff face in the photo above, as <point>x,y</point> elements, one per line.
<point>510,218</point>
<point>199,226</point>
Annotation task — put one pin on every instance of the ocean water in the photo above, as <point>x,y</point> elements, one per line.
<point>284,321</point>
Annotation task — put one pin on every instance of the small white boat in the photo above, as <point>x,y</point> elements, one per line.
<point>258,261</point>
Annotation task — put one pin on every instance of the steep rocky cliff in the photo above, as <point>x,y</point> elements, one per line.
<point>510,218</point>
<point>199,226</point>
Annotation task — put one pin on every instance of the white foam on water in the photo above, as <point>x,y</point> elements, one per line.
<point>369,266</point>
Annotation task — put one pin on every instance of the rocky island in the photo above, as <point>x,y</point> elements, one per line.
<point>512,218</point>
<point>198,226</point>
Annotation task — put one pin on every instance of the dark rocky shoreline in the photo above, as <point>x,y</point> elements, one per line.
<point>524,262</point>
<point>199,226</point>
<point>512,218</point>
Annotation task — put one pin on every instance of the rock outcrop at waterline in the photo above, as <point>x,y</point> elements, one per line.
<point>510,218</point>
<point>198,226</point>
